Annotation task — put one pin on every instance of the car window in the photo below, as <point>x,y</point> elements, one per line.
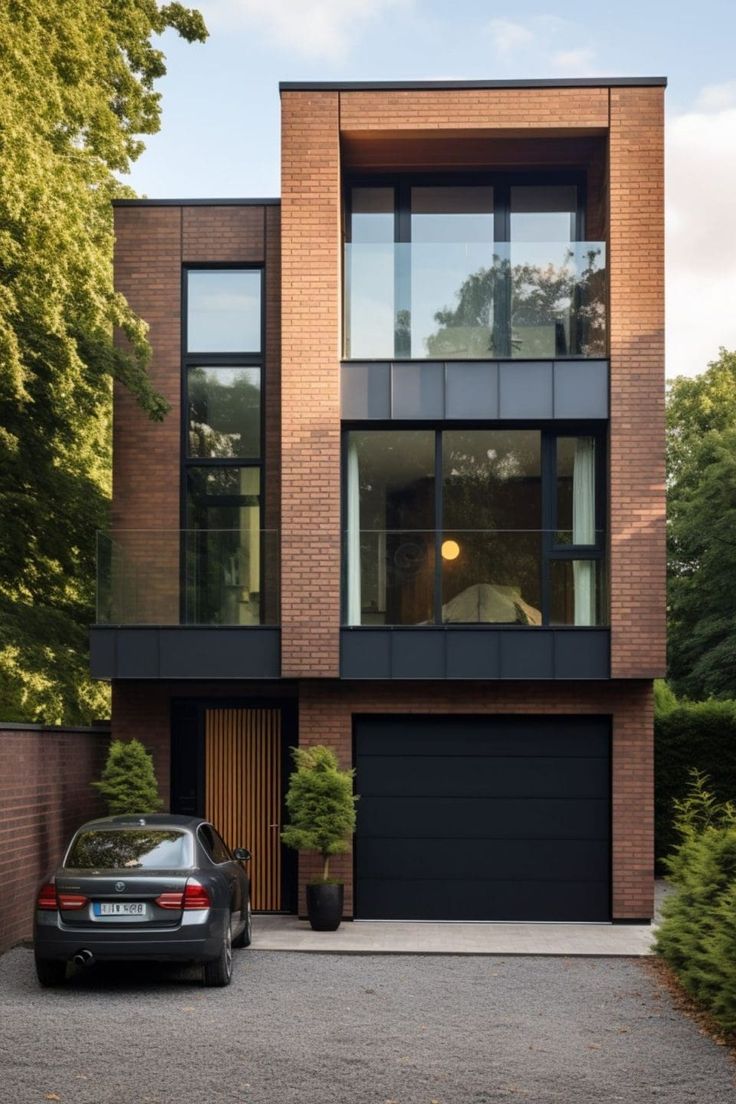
<point>213,844</point>
<point>130,849</point>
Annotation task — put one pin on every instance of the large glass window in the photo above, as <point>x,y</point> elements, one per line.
<point>475,269</point>
<point>495,526</point>
<point>224,411</point>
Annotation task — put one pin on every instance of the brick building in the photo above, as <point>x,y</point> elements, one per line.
<point>409,497</point>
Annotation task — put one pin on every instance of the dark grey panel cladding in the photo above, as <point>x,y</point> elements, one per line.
<point>154,652</point>
<point>464,390</point>
<point>434,652</point>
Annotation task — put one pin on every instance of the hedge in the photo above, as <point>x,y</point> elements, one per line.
<point>698,735</point>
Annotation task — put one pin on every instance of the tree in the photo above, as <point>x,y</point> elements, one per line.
<point>77,91</point>
<point>128,782</point>
<point>321,805</point>
<point>701,466</point>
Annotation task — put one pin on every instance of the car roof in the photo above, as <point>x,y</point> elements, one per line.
<point>152,820</point>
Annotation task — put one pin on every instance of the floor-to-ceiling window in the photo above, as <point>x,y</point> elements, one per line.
<point>461,526</point>
<point>222,541</point>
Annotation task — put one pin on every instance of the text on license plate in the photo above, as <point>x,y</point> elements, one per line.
<point>119,908</point>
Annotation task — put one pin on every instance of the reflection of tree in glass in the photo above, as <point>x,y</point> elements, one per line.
<point>129,849</point>
<point>224,417</point>
<point>570,293</point>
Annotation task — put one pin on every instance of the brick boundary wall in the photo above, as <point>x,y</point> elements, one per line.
<point>45,793</point>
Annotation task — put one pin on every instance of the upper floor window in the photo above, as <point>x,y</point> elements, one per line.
<point>471,269</point>
<point>223,547</point>
<point>495,526</point>
<point>223,310</point>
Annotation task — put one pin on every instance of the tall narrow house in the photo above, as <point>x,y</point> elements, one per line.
<point>409,497</point>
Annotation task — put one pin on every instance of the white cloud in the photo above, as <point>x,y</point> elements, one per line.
<point>314,28</point>
<point>717,97</point>
<point>508,36</point>
<point>541,43</point>
<point>574,63</point>
<point>701,232</point>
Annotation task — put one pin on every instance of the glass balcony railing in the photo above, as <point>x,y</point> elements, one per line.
<point>188,577</point>
<point>469,300</point>
<point>478,576</point>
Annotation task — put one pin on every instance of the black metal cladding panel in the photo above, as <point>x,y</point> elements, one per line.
<point>155,652</point>
<point>450,390</point>
<point>483,818</point>
<point>482,652</point>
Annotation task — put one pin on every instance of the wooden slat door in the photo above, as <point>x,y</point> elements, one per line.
<point>243,773</point>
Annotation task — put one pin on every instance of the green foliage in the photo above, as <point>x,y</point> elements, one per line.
<point>128,782</point>
<point>701,465</point>
<point>77,91</point>
<point>665,698</point>
<point>698,931</point>
<point>320,803</point>
<point>693,735</point>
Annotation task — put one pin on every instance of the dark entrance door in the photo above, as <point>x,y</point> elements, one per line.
<point>229,764</point>
<point>483,818</point>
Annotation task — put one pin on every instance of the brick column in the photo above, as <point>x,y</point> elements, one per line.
<point>637,497</point>
<point>310,473</point>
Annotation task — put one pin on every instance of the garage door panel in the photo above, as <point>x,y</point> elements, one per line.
<point>483,776</point>
<point>473,900</point>
<point>460,860</point>
<point>469,736</point>
<point>458,818</point>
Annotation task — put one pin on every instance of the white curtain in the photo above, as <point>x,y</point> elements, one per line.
<point>353,535</point>
<point>583,529</point>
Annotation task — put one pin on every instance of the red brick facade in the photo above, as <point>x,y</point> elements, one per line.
<point>616,134</point>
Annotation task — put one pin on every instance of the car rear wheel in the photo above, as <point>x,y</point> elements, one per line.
<point>50,972</point>
<point>220,971</point>
<point>246,936</point>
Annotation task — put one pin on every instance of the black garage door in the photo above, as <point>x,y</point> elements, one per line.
<point>483,818</point>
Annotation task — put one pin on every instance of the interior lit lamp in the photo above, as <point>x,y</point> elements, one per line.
<point>450,550</point>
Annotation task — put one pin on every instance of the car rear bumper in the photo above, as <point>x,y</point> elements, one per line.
<point>197,938</point>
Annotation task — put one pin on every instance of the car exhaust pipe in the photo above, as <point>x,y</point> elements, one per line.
<point>83,958</point>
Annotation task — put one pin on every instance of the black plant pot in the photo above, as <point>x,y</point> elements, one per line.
<point>324,906</point>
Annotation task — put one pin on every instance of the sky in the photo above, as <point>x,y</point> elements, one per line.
<point>220,126</point>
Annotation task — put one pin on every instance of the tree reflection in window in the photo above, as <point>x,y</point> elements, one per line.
<point>130,849</point>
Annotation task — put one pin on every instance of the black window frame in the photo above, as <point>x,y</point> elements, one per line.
<point>551,549</point>
<point>502,183</point>
<point>242,359</point>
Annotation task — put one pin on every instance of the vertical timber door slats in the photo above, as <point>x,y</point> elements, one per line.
<point>243,792</point>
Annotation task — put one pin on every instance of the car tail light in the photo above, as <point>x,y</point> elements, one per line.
<point>71,901</point>
<point>196,896</point>
<point>170,900</point>
<point>47,897</point>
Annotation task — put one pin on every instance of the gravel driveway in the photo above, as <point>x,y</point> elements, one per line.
<point>359,1030</point>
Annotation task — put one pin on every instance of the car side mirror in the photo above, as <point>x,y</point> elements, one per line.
<point>242,854</point>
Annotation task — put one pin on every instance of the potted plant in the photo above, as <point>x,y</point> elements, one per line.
<point>321,808</point>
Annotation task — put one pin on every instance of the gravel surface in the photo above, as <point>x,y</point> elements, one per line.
<point>358,1030</point>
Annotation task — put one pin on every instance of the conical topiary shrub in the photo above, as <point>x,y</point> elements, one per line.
<point>128,782</point>
<point>321,805</point>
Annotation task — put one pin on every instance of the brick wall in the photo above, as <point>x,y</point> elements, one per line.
<point>310,349</point>
<point>325,717</point>
<point>44,796</point>
<point>636,266</point>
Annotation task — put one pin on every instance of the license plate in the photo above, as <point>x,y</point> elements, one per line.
<point>119,908</point>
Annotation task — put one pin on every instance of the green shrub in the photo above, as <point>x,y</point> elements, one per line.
<point>692,734</point>
<point>665,698</point>
<point>321,805</point>
<point>128,782</point>
<point>697,935</point>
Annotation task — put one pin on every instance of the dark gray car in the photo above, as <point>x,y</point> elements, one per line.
<point>160,887</point>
